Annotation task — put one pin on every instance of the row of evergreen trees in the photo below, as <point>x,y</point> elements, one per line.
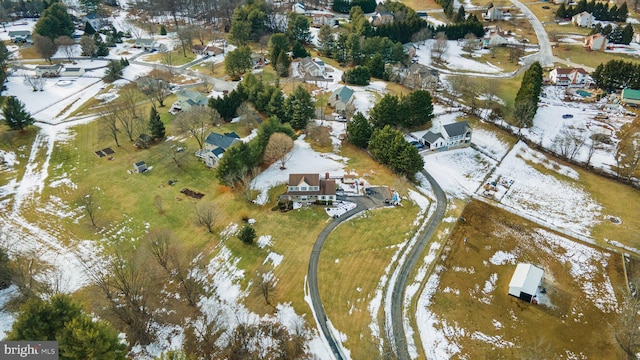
<point>617,74</point>
<point>344,6</point>
<point>379,133</point>
<point>615,34</point>
<point>599,10</point>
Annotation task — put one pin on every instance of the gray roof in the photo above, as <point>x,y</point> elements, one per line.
<point>221,141</point>
<point>457,128</point>
<point>218,152</point>
<point>19,32</point>
<point>140,163</point>
<point>344,93</point>
<point>145,41</point>
<point>431,137</point>
<point>193,96</point>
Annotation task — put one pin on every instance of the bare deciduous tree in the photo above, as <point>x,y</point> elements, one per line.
<point>88,46</point>
<point>36,82</point>
<point>569,141</point>
<point>196,122</point>
<point>267,283</point>
<point>66,44</point>
<point>185,36</point>
<point>178,152</point>
<point>109,123</point>
<point>278,149</point>
<point>89,202</point>
<point>627,328</point>
<point>628,151</point>
<point>126,286</point>
<point>158,203</point>
<point>470,43</point>
<point>597,139</point>
<point>44,46</point>
<point>439,47</point>
<point>206,216</point>
<point>157,90</point>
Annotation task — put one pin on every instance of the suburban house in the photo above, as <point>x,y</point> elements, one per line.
<point>569,76</point>
<point>525,282</point>
<point>420,77</point>
<point>324,19</point>
<point>596,42</point>
<point>341,98</point>
<point>410,49</point>
<point>258,60</point>
<point>298,8</point>
<point>48,70</point>
<point>189,98</point>
<point>493,14</point>
<point>214,147</point>
<point>73,71</point>
<point>311,68</point>
<point>494,38</point>
<point>630,96</point>
<point>584,19</point>
<point>20,36</point>
<point>456,134</point>
<point>381,18</point>
<point>206,50</point>
<point>310,188</point>
<point>145,44</point>
<point>636,38</point>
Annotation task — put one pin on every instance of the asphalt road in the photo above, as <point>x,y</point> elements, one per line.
<point>545,55</point>
<point>397,319</point>
<point>363,203</point>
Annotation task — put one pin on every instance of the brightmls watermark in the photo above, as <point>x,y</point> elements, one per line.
<point>31,350</point>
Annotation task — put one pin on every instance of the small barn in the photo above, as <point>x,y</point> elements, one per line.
<point>140,166</point>
<point>525,281</point>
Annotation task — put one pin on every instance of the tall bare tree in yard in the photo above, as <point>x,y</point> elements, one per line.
<point>125,283</point>
<point>157,90</point>
<point>44,46</point>
<point>185,36</point>
<point>89,203</point>
<point>206,216</point>
<point>439,47</point>
<point>267,283</point>
<point>36,82</point>
<point>597,140</point>
<point>278,149</point>
<point>66,44</point>
<point>196,122</point>
<point>109,123</point>
<point>627,328</point>
<point>168,58</point>
<point>569,141</point>
<point>178,152</point>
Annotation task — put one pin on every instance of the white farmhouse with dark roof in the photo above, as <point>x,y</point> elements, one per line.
<point>310,188</point>
<point>457,134</point>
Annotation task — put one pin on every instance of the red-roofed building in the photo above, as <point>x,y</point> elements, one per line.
<point>569,76</point>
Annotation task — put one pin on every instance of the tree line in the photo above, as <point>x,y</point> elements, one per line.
<point>380,135</point>
<point>617,74</point>
<point>615,34</point>
<point>526,103</point>
<point>599,10</point>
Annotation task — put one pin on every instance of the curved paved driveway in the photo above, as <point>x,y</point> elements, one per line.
<point>545,56</point>
<point>362,203</point>
<point>397,324</point>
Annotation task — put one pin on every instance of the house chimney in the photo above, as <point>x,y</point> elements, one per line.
<point>326,176</point>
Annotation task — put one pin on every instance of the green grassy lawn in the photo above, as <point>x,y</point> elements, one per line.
<point>422,4</point>
<point>355,256</point>
<point>177,57</point>
<point>580,55</point>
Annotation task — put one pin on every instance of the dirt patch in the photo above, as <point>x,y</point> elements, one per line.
<point>191,193</point>
<point>573,318</point>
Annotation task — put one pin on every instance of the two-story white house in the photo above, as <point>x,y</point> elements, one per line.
<point>584,19</point>
<point>569,76</point>
<point>215,146</point>
<point>310,188</point>
<point>457,134</point>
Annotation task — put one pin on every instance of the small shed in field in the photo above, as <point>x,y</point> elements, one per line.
<point>525,281</point>
<point>140,166</point>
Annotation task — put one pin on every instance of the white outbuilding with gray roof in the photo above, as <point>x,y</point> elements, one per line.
<point>525,281</point>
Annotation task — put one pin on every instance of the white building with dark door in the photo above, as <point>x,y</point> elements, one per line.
<point>525,282</point>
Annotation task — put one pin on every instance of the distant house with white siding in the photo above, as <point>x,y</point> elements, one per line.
<point>341,98</point>
<point>452,135</point>
<point>525,282</point>
<point>324,19</point>
<point>310,188</point>
<point>596,42</point>
<point>20,36</point>
<point>584,19</point>
<point>48,70</point>
<point>569,76</point>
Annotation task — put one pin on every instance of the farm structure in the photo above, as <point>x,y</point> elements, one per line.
<point>525,281</point>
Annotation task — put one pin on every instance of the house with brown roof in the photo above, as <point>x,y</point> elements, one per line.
<point>596,42</point>
<point>569,76</point>
<point>310,188</point>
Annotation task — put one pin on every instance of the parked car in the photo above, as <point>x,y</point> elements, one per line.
<point>567,116</point>
<point>418,145</point>
<point>341,118</point>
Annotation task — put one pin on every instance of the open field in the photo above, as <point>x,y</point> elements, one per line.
<point>422,4</point>
<point>470,314</point>
<point>580,55</point>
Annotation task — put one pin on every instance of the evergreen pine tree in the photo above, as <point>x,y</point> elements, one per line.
<point>156,127</point>
<point>15,115</point>
<point>88,29</point>
<point>299,51</point>
<point>627,34</point>
<point>163,30</point>
<point>247,234</point>
<point>359,130</point>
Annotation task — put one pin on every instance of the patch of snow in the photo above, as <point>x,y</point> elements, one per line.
<point>502,257</point>
<point>275,259</point>
<point>264,241</point>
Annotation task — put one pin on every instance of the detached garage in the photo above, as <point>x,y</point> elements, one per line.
<point>525,281</point>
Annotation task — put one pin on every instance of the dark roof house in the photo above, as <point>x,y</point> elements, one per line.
<point>214,147</point>
<point>310,188</point>
<point>456,134</point>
